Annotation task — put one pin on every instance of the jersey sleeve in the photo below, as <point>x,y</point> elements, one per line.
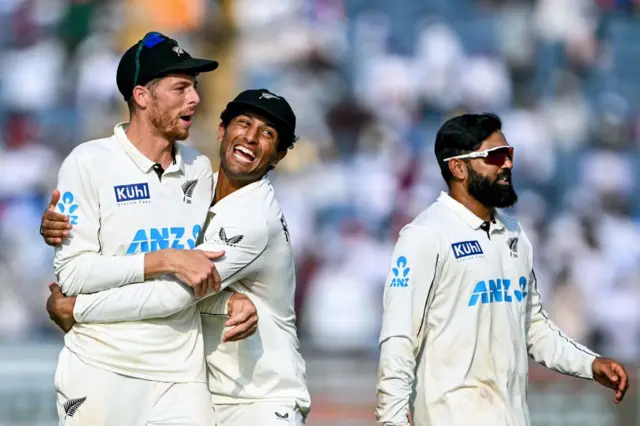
<point>546,343</point>
<point>79,264</point>
<point>216,304</point>
<point>243,242</point>
<point>415,265</point>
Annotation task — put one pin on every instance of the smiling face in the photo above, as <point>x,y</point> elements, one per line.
<point>248,147</point>
<point>170,103</point>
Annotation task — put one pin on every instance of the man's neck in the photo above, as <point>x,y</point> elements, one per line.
<point>474,206</point>
<point>153,146</point>
<point>226,185</point>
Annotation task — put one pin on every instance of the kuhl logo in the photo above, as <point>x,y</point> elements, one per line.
<point>153,239</point>
<point>132,192</point>
<point>498,291</point>
<point>466,248</point>
<point>400,273</point>
<point>69,207</point>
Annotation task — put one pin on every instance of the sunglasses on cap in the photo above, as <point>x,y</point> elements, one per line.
<point>495,156</point>
<point>150,40</point>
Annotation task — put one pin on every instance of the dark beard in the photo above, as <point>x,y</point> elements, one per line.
<point>491,194</point>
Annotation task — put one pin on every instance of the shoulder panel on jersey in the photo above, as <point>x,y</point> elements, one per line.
<point>94,155</point>
<point>239,228</point>
<point>509,222</point>
<point>190,154</point>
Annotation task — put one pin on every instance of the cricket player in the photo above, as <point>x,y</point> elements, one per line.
<point>136,200</point>
<point>259,380</point>
<point>462,311</point>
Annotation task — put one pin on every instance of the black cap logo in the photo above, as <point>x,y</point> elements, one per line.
<point>179,50</point>
<point>267,95</point>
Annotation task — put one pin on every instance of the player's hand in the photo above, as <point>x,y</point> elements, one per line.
<point>196,269</point>
<point>243,317</point>
<point>611,374</point>
<point>54,226</point>
<point>60,308</point>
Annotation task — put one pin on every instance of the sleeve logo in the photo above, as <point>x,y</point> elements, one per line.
<point>400,273</point>
<point>232,241</point>
<point>69,207</point>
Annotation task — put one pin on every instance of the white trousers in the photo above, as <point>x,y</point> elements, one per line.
<point>265,413</point>
<point>90,396</point>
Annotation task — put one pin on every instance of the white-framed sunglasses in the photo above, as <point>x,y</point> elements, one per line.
<point>497,155</point>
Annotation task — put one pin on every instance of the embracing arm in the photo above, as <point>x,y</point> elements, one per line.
<point>164,297</point>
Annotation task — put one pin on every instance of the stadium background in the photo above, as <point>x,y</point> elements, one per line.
<point>371,81</point>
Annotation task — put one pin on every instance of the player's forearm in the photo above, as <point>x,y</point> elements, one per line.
<point>156,299</point>
<point>159,263</point>
<point>549,346</point>
<point>395,380</point>
<point>93,272</point>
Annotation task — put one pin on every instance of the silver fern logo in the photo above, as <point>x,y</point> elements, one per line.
<point>72,405</point>
<point>232,241</point>
<point>513,247</point>
<point>187,189</point>
<point>268,95</point>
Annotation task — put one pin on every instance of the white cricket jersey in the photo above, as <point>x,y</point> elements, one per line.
<point>462,314</point>
<point>258,262</point>
<point>121,209</point>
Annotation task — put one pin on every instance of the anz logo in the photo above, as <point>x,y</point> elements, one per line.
<point>498,291</point>
<point>400,273</point>
<point>153,239</point>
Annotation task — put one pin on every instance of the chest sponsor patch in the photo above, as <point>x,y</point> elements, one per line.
<point>465,249</point>
<point>132,192</point>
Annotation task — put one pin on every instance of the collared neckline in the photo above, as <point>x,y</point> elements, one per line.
<point>467,215</point>
<point>140,160</point>
<point>215,206</point>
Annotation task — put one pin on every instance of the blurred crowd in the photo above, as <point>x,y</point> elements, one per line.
<point>371,81</point>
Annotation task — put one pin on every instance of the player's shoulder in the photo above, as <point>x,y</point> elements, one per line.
<point>510,223</point>
<point>430,220</point>
<point>193,158</point>
<point>93,148</point>
<point>91,154</point>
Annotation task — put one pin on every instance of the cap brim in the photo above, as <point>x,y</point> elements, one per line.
<point>239,106</point>
<point>192,65</point>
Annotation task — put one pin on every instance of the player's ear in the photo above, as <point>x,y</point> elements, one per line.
<point>141,96</point>
<point>221,130</point>
<point>458,169</point>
